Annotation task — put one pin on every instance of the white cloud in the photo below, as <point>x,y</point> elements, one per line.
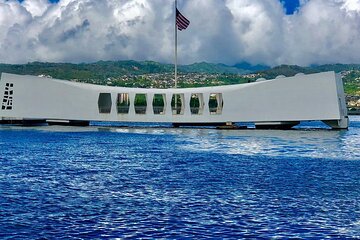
<point>352,5</point>
<point>323,31</point>
<point>36,7</point>
<point>227,31</point>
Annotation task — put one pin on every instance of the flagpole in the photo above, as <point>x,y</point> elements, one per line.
<point>175,46</point>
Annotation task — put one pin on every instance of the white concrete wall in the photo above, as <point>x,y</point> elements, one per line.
<point>298,98</point>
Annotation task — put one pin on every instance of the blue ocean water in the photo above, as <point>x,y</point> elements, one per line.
<point>160,182</point>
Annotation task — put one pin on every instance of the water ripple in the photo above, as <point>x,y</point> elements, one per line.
<point>101,182</point>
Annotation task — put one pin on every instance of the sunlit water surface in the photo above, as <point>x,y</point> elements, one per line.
<point>161,182</point>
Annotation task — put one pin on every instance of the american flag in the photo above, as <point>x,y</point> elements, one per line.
<point>181,21</point>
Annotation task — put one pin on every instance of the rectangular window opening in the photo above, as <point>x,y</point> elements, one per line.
<point>159,105</point>
<point>123,103</point>
<point>177,104</point>
<point>140,103</point>
<point>216,103</point>
<point>104,103</point>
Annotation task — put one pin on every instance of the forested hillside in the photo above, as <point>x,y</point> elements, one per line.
<point>154,74</point>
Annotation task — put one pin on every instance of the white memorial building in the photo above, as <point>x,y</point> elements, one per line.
<point>278,103</point>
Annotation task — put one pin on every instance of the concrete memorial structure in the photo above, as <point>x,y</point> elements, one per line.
<point>278,103</point>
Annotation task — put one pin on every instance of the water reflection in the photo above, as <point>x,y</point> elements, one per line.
<point>305,142</point>
<point>299,143</point>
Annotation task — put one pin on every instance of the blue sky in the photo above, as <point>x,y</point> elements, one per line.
<point>270,32</point>
<point>290,5</point>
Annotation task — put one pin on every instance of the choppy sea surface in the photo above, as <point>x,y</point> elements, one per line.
<point>111,182</point>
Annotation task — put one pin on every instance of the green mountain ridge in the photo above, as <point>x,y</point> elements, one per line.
<point>103,69</point>
<point>115,68</point>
